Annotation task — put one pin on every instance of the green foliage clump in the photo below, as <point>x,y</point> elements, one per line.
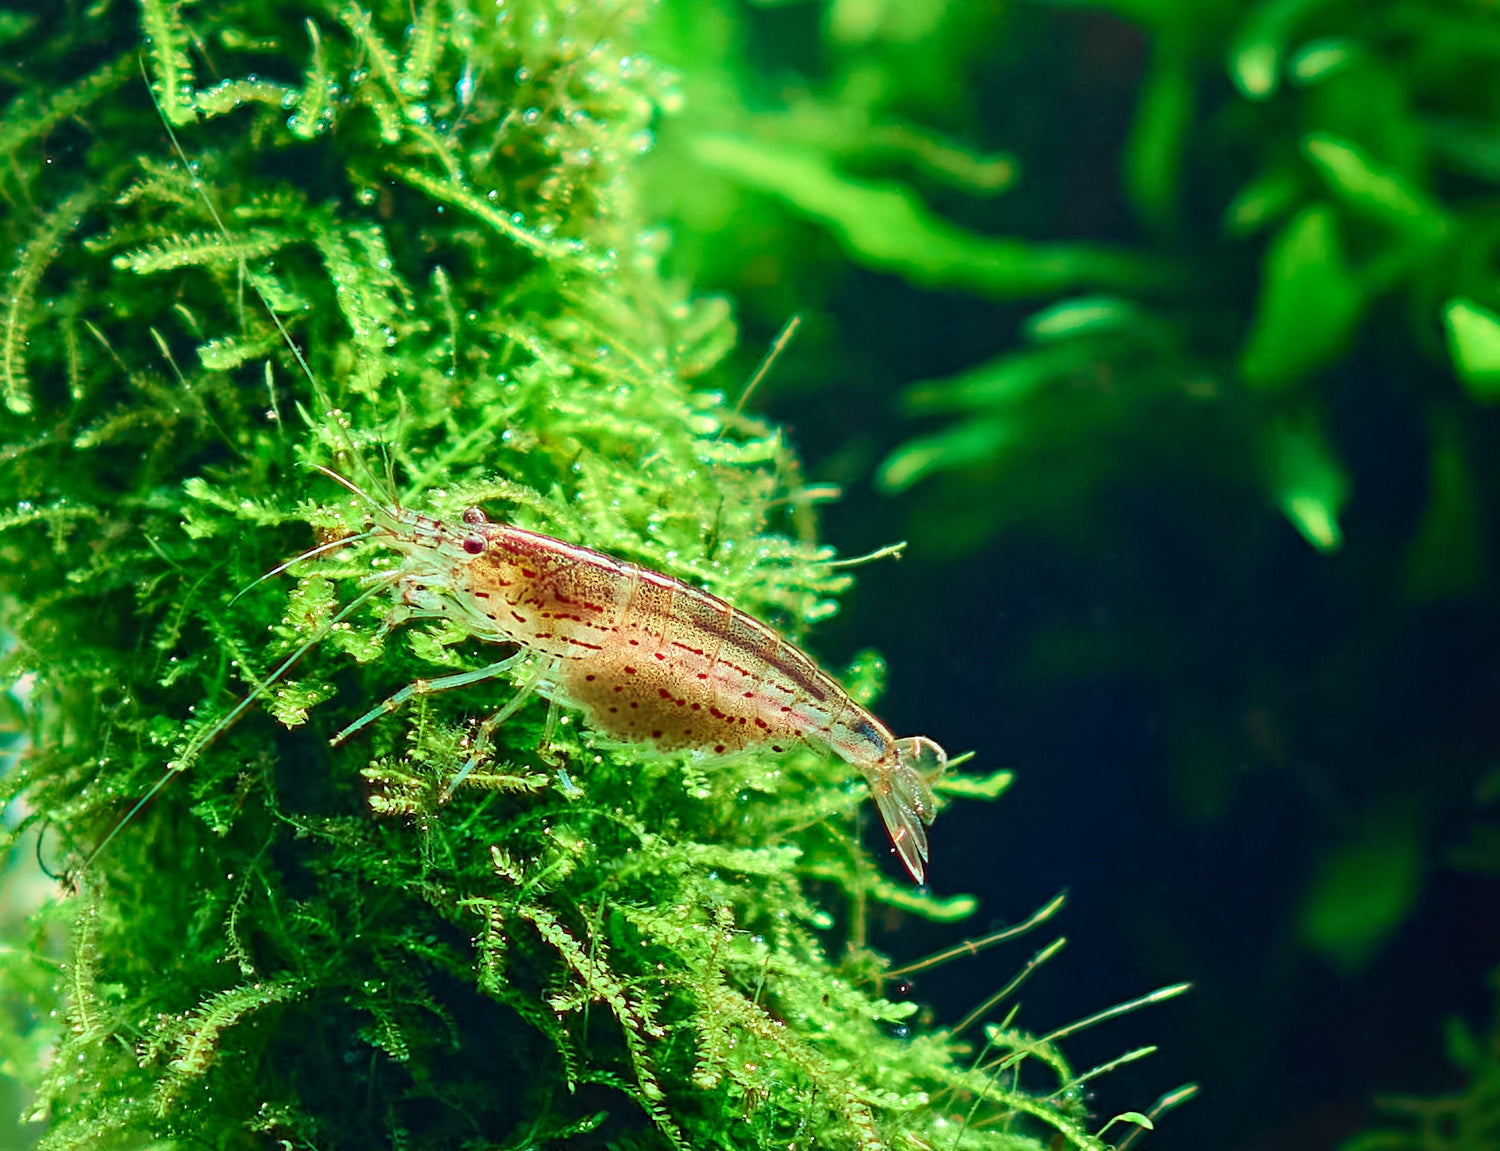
<point>1353,150</point>
<point>248,239</point>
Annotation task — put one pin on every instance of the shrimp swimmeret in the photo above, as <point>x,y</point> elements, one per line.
<point>646,658</point>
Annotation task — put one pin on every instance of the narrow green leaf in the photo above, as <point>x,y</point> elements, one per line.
<point>980,173</point>
<point>1372,190</point>
<point>975,786</point>
<point>1263,200</point>
<point>1364,889</point>
<point>1474,344</point>
<point>1153,154</point>
<point>1461,1046</point>
<point>1257,51</point>
<point>1001,382</point>
<point>1317,60</point>
<point>1087,316</point>
<point>970,443</point>
<point>883,225</point>
<point>948,909</point>
<point>1308,482</point>
<point>1310,303</point>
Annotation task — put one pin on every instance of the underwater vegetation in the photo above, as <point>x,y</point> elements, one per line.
<point>243,242</point>
<point>1171,331</point>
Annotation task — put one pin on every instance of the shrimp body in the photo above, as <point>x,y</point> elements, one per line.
<point>649,659</point>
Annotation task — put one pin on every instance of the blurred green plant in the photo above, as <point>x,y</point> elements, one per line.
<point>1466,1120</point>
<point>1361,181</point>
<point>1312,184</point>
<point>250,238</point>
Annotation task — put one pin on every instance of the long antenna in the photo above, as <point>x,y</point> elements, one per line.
<point>342,541</point>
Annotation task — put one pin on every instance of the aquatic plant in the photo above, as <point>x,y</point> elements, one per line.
<point>248,239</point>
<point>1466,1119</point>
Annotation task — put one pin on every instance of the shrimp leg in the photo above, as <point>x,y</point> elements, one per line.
<point>427,687</point>
<point>486,729</point>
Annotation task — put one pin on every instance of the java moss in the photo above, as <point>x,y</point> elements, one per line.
<point>245,239</point>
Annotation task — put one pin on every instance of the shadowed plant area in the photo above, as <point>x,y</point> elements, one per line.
<point>246,241</point>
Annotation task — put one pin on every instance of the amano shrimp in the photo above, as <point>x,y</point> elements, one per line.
<point>644,657</point>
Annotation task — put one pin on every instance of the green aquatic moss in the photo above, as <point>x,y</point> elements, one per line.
<point>248,239</point>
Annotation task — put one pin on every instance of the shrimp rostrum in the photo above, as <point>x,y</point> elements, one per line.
<point>647,659</point>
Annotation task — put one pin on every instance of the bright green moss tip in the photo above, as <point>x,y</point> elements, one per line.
<point>430,213</point>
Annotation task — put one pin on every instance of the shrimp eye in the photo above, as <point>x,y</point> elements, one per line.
<point>474,517</point>
<point>473,544</point>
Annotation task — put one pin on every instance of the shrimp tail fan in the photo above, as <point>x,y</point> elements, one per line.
<point>903,795</point>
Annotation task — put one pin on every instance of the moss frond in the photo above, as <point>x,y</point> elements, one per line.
<point>39,252</point>
<point>203,249</point>
<point>166,39</point>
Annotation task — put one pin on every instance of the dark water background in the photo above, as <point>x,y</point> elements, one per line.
<point>1177,622</point>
